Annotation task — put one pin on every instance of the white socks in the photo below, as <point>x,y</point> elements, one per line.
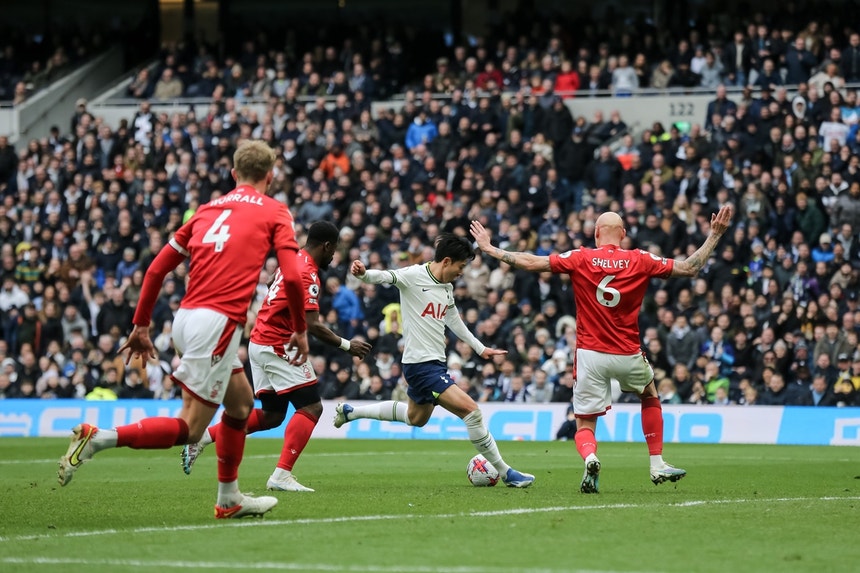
<point>281,473</point>
<point>657,461</point>
<point>483,441</point>
<point>228,494</point>
<point>393,411</point>
<point>389,411</point>
<point>206,439</point>
<point>103,440</point>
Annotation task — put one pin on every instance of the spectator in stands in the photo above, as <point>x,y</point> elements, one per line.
<point>829,74</point>
<point>662,75</point>
<point>711,72</point>
<point>799,62</point>
<point>168,86</point>
<point>140,86</point>
<point>483,163</point>
<point>624,78</point>
<point>768,76</point>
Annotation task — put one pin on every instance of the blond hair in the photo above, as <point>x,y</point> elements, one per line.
<point>253,160</point>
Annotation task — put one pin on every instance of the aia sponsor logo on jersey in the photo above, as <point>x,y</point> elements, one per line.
<point>435,310</point>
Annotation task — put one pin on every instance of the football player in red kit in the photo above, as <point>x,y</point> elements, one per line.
<point>277,382</point>
<point>609,285</point>
<point>227,240</point>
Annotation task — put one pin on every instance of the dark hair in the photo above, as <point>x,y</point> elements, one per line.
<point>457,248</point>
<point>322,232</point>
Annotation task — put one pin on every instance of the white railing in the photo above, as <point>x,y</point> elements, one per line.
<point>54,104</point>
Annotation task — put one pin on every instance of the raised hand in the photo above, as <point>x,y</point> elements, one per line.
<point>357,269</point>
<point>720,221</point>
<point>482,236</point>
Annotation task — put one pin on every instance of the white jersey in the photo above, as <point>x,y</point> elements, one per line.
<point>426,307</point>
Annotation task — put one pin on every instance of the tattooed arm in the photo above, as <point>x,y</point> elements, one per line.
<point>693,264</point>
<point>525,261</point>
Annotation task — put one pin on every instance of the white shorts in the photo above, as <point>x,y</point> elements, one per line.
<point>592,394</point>
<point>207,343</point>
<point>273,373</point>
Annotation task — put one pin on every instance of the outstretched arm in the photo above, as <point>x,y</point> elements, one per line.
<point>372,276</point>
<point>693,264</point>
<point>458,327</point>
<point>525,261</point>
<point>355,347</point>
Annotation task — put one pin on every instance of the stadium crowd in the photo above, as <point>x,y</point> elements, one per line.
<point>773,318</point>
<point>610,55</point>
<point>32,57</point>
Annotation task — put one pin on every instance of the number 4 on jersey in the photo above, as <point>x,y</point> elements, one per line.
<point>275,288</point>
<point>218,233</point>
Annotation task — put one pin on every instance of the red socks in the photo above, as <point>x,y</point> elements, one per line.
<point>153,434</point>
<point>255,424</point>
<point>296,437</point>
<point>586,444</point>
<point>230,446</point>
<point>652,424</point>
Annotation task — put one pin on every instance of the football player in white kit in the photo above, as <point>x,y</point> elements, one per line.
<point>427,306</point>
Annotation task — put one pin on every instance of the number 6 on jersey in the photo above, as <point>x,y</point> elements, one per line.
<point>218,233</point>
<point>606,295</point>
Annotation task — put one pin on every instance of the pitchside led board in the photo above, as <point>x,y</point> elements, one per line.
<point>529,422</point>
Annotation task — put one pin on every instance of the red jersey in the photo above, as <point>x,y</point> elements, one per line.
<point>609,286</point>
<point>274,325</point>
<point>228,240</point>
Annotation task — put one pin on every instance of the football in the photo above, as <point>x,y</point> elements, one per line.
<point>481,472</point>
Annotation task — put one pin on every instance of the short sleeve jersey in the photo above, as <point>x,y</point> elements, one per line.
<point>228,240</point>
<point>609,286</point>
<point>274,325</point>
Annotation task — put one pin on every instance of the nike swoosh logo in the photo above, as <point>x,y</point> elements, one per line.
<point>226,512</point>
<point>425,289</point>
<point>75,459</point>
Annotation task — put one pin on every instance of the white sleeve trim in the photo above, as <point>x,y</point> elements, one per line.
<point>182,250</point>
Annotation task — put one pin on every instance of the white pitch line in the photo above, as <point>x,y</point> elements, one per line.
<point>416,453</point>
<point>359,518</point>
<point>261,456</point>
<point>244,566</point>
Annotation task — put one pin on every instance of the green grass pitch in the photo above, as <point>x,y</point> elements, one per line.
<point>391,506</point>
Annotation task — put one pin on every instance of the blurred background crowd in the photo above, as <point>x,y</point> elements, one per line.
<point>482,129</point>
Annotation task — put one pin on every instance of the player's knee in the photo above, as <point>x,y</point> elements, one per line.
<point>473,417</point>
<point>417,419</point>
<point>273,419</point>
<point>240,411</point>
<point>314,410</point>
<point>650,391</point>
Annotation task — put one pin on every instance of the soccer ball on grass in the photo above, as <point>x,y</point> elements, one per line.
<point>481,472</point>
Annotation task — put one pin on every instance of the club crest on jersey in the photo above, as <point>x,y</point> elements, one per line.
<point>216,389</point>
<point>435,310</point>
<point>306,371</point>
